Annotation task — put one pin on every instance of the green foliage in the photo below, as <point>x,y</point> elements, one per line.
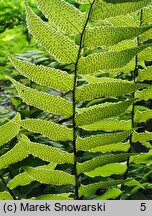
<point>107,60</point>
<point>46,176</point>
<point>145,74</point>
<point>49,129</point>
<point>46,153</point>
<point>116,147</point>
<point>56,43</point>
<point>82,118</point>
<point>97,112</point>
<point>90,189</point>
<point>111,193</point>
<point>23,178</point>
<point>105,88</point>
<point>50,77</point>
<point>109,124</point>
<point>108,170</point>
<point>100,139</point>
<point>70,20</point>
<point>100,161</point>
<point>16,154</point>
<point>43,100</point>
<point>5,196</point>
<point>103,9</point>
<point>63,196</point>
<point>9,130</point>
<point>111,35</point>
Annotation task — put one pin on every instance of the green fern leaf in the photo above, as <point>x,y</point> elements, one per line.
<point>145,55</point>
<point>46,76</point>
<point>47,153</point>
<point>98,112</point>
<point>9,130</point>
<point>146,144</point>
<point>55,177</point>
<point>145,36</point>
<point>143,116</point>
<point>100,161</point>
<point>49,129</point>
<point>145,74</point>
<point>16,154</point>
<point>107,60</point>
<point>116,147</point>
<point>142,158</point>
<point>84,144</point>
<point>127,68</point>
<point>110,194</point>
<point>123,20</point>
<point>63,15</point>
<point>88,190</point>
<point>146,136</point>
<point>108,170</point>
<point>106,88</point>
<point>147,15</point>
<point>5,195</point>
<point>24,179</point>
<point>43,101</point>
<point>111,124</point>
<point>144,94</point>
<point>63,196</point>
<point>102,9</point>
<point>55,42</point>
<point>110,35</point>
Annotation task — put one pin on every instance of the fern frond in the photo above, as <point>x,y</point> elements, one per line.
<point>98,112</point>
<point>62,196</point>
<point>143,116</point>
<point>110,35</point>
<point>145,55</point>
<point>142,158</point>
<point>127,68</point>
<point>5,195</point>
<point>88,190</point>
<point>146,144</point>
<point>110,194</point>
<point>102,9</point>
<point>55,177</point>
<point>108,170</point>
<point>144,94</point>
<point>49,129</point>
<point>100,161</point>
<point>46,153</point>
<point>9,130</point>
<point>24,179</point>
<point>111,124</point>
<point>126,20</point>
<point>16,154</point>
<point>46,76</point>
<point>145,74</point>
<point>106,88</point>
<point>116,147</point>
<point>63,15</point>
<point>145,36</point>
<point>147,14</point>
<point>107,60</point>
<point>55,42</point>
<point>43,101</point>
<point>145,136</point>
<point>83,144</point>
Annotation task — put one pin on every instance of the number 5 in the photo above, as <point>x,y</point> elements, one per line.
<point>143,207</point>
